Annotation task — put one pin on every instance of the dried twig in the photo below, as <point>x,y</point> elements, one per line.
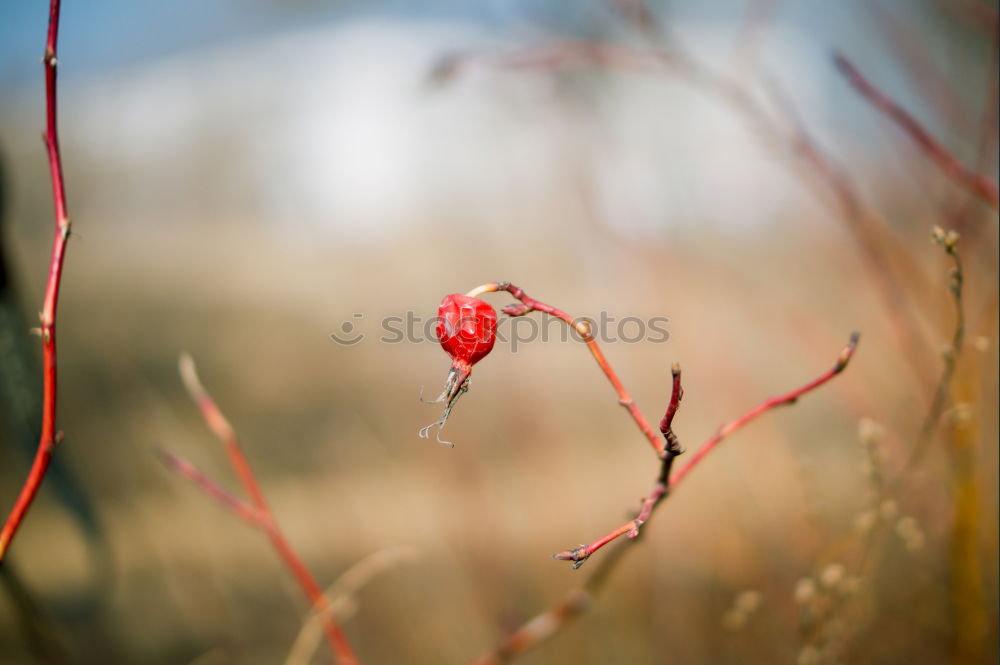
<point>582,328</point>
<point>543,626</point>
<point>976,183</point>
<point>342,598</point>
<point>576,602</point>
<point>257,512</point>
<point>949,241</point>
<point>672,449</point>
<point>49,435</point>
<point>667,481</point>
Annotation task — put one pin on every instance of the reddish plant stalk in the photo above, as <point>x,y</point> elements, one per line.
<point>184,468</point>
<point>49,436</point>
<point>668,480</point>
<point>259,513</point>
<point>672,449</point>
<point>548,623</point>
<point>544,625</point>
<point>976,183</point>
<point>788,398</point>
<point>582,328</point>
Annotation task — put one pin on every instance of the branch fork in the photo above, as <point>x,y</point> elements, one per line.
<point>256,512</point>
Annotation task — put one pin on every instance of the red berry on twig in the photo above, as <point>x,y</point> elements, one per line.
<point>467,329</point>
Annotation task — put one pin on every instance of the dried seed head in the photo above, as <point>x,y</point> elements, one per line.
<point>912,535</point>
<point>865,521</point>
<point>748,601</point>
<point>870,432</point>
<point>805,590</point>
<point>832,575</point>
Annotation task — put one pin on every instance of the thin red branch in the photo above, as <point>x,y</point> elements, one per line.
<point>672,449</point>
<point>259,513</point>
<point>752,414</point>
<point>582,328</point>
<point>49,436</point>
<point>186,469</point>
<point>976,183</point>
<point>549,622</point>
<point>668,480</point>
<point>217,422</point>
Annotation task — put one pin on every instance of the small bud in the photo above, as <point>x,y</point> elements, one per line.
<point>888,509</point>
<point>910,532</point>
<point>832,575</point>
<point>870,432</point>
<point>805,590</point>
<point>961,413</point>
<point>748,601</point>
<point>865,521</point>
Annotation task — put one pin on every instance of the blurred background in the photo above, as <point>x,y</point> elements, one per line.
<point>245,178</point>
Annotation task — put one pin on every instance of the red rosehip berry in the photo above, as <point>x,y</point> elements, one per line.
<point>467,329</point>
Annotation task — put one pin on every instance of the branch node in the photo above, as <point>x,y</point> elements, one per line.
<point>578,555</point>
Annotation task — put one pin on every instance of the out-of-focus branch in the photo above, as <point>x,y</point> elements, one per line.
<point>582,328</point>
<point>886,263</point>
<point>342,598</point>
<point>877,249</point>
<point>549,622</point>
<point>974,13</point>
<point>223,431</point>
<point>756,16</point>
<point>259,514</point>
<point>788,398</point>
<point>49,435</point>
<point>976,183</point>
<point>667,481</point>
<point>949,241</point>
<point>186,469</point>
